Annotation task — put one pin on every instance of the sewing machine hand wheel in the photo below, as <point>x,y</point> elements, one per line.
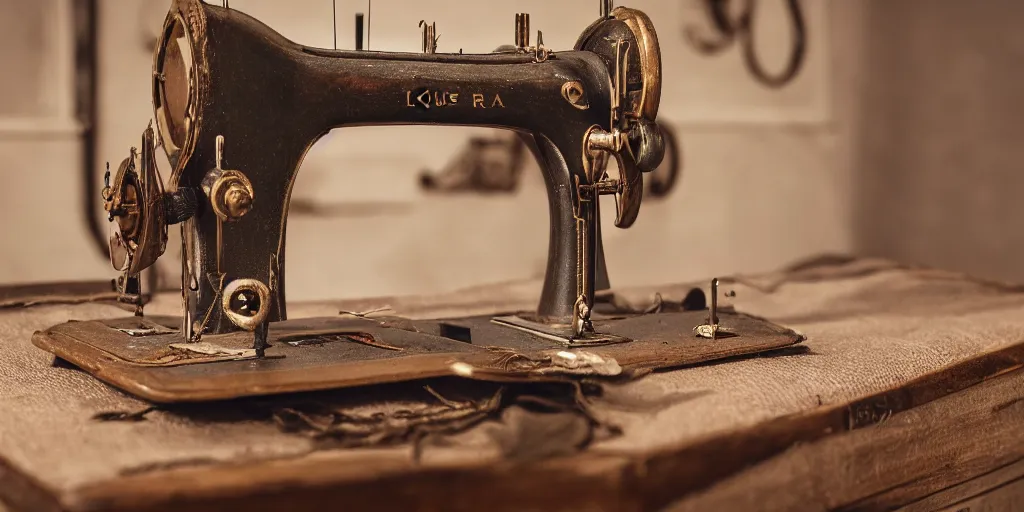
<point>629,187</point>
<point>638,150</point>
<point>628,44</point>
<point>134,203</point>
<point>647,145</point>
<point>643,152</point>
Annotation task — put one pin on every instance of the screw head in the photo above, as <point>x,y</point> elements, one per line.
<point>238,200</point>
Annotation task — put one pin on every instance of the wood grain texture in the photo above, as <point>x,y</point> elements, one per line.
<point>1006,479</point>
<point>1006,498</point>
<point>900,459</point>
<point>885,345</point>
<point>905,442</point>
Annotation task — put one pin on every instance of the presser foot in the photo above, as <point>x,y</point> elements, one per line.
<point>149,357</point>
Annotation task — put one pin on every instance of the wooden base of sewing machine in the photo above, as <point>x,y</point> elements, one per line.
<point>148,358</point>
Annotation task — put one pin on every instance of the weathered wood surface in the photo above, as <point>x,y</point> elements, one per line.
<point>1009,497</point>
<point>881,466</point>
<point>932,358</point>
<point>1000,489</point>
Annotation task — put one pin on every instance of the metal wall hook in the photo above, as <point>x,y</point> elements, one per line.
<point>730,28</point>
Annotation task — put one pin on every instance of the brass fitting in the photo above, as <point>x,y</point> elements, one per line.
<point>231,196</point>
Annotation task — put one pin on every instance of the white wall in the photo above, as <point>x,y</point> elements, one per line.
<point>938,147</point>
<point>42,233</point>
<point>766,174</point>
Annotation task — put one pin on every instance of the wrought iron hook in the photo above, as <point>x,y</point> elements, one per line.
<point>740,27</point>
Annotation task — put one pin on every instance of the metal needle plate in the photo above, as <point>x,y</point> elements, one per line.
<point>558,333</point>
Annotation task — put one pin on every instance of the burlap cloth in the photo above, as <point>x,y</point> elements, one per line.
<point>871,325</point>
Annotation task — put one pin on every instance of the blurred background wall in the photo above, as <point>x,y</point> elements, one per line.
<point>938,154</point>
<point>895,140</point>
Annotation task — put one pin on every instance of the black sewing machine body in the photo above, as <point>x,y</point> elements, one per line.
<point>238,106</point>
<point>271,99</point>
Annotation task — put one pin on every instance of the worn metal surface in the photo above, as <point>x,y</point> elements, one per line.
<point>327,353</point>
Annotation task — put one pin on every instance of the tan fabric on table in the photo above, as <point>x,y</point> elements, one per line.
<point>870,326</point>
<point>864,335</point>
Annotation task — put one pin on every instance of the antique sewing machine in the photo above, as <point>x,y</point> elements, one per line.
<point>236,108</point>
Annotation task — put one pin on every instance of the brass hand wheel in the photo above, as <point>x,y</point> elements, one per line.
<point>629,45</point>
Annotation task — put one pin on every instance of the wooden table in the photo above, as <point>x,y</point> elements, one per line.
<point>907,393</point>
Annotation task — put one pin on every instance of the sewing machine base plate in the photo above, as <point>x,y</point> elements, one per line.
<point>147,357</point>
